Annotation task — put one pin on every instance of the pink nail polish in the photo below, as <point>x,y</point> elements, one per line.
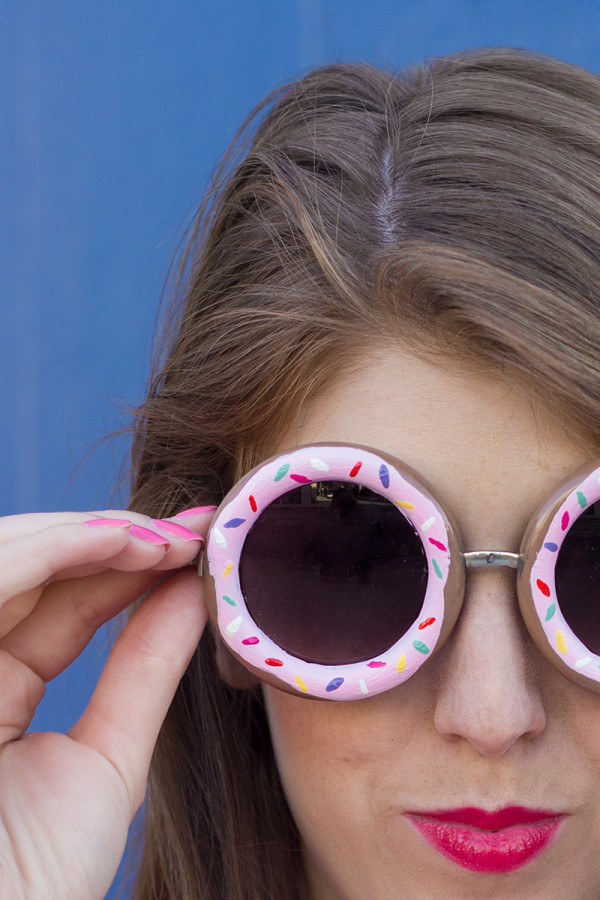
<point>114,523</point>
<point>151,537</point>
<point>194,511</point>
<point>180,531</point>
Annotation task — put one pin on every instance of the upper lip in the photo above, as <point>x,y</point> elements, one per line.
<point>489,821</point>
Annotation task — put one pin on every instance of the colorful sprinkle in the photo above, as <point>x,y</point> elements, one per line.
<point>437,569</point>
<point>564,522</point>
<point>550,612</point>
<point>376,664</point>
<point>229,600</point>
<point>401,664</point>
<point>420,647</point>
<point>355,469</point>
<point>583,662</point>
<point>334,684</point>
<point>234,625</point>
<point>273,662</point>
<point>427,525</point>
<point>317,463</point>
<point>426,622</point>
<point>405,504</point>
<point>550,545</point>
<point>384,475</point>
<point>282,471</point>
<point>227,569</point>
<point>438,544</point>
<point>252,503</point>
<point>301,684</point>
<point>543,587</point>
<point>581,499</point>
<point>250,641</point>
<point>219,537</point>
<point>560,642</point>
<point>234,523</point>
<point>301,479</point>
<point>362,685</point>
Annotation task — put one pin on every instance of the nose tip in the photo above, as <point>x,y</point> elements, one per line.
<point>488,695</point>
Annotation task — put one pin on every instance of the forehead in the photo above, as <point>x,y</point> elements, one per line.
<point>490,455</point>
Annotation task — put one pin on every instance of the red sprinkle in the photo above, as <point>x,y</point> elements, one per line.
<point>301,479</point>
<point>564,522</point>
<point>273,662</point>
<point>438,544</point>
<point>426,622</point>
<point>252,640</point>
<point>376,664</point>
<point>355,469</point>
<point>252,502</point>
<point>543,587</point>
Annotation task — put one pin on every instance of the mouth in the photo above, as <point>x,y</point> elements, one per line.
<point>488,842</point>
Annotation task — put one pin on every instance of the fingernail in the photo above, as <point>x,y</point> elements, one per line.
<point>194,511</point>
<point>114,523</point>
<point>151,537</point>
<point>180,531</point>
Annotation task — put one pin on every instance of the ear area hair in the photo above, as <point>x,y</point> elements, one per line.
<point>230,669</point>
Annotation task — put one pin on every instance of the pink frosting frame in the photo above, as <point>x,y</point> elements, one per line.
<point>567,647</point>
<point>239,511</point>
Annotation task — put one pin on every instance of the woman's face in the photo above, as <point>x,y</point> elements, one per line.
<point>487,723</point>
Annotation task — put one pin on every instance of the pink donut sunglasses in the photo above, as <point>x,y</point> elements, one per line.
<point>332,572</point>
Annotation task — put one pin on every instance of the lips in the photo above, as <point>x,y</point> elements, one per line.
<point>488,842</point>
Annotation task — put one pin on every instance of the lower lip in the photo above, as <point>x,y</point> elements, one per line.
<point>488,852</point>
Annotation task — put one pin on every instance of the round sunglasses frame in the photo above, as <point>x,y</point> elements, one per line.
<point>392,479</point>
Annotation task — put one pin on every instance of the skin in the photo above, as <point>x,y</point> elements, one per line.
<point>487,722</point>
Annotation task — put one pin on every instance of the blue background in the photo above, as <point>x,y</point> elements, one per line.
<point>113,117</point>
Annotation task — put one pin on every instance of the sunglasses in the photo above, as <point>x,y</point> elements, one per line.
<point>331,571</point>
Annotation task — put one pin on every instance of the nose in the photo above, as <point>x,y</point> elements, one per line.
<point>488,694</point>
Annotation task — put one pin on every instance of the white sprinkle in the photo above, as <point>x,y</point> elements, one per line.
<point>219,537</point>
<point>317,463</point>
<point>583,662</point>
<point>363,686</point>
<point>427,525</point>
<point>234,626</point>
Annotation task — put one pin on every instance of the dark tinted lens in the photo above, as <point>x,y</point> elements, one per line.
<point>578,578</point>
<point>333,572</point>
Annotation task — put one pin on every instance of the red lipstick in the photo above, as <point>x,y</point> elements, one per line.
<point>488,842</point>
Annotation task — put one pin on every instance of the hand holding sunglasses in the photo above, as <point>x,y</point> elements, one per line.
<point>333,572</point>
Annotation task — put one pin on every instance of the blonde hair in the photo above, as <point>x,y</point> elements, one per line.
<point>453,205</point>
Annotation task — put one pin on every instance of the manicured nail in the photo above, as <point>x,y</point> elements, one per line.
<point>194,511</point>
<point>151,537</point>
<point>180,531</point>
<point>114,523</point>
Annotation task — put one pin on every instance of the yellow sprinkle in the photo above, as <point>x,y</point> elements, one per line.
<point>301,684</point>
<point>560,642</point>
<point>227,569</point>
<point>401,663</point>
<point>405,504</point>
<point>363,687</point>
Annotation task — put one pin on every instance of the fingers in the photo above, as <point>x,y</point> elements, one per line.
<point>135,690</point>
<point>21,693</point>
<point>65,616</point>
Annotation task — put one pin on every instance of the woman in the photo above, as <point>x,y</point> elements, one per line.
<point>401,262</point>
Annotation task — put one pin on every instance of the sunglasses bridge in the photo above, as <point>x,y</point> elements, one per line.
<point>476,559</point>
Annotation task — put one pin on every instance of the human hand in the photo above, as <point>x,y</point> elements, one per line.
<point>66,800</point>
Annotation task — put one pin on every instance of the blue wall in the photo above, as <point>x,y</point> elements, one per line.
<point>113,116</point>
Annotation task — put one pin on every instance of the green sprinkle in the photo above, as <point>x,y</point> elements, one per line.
<point>229,600</point>
<point>281,471</point>
<point>437,570</point>
<point>582,499</point>
<point>550,611</point>
<point>420,646</point>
